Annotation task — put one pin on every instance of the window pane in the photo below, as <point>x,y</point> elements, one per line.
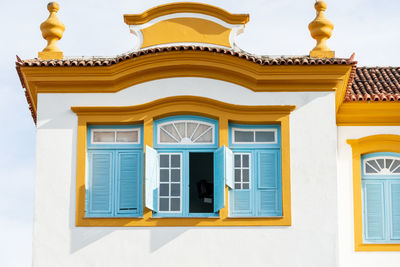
<point>175,204</point>
<point>265,136</point>
<point>395,164</point>
<point>175,175</point>
<point>388,163</point>
<point>374,164</point>
<point>368,169</point>
<point>237,161</point>
<point>171,130</point>
<point>244,136</point>
<point>165,138</point>
<point>164,161</point>
<point>164,190</point>
<point>245,159</point>
<point>175,190</point>
<point>180,126</point>
<point>201,129</point>
<point>238,186</point>
<point>205,138</point>
<point>127,136</point>
<point>190,128</point>
<point>237,175</point>
<point>246,175</point>
<point>246,186</point>
<point>164,204</point>
<point>164,175</point>
<point>103,136</point>
<point>175,161</point>
<point>380,162</point>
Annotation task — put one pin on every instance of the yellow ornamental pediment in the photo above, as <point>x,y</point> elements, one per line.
<point>186,23</point>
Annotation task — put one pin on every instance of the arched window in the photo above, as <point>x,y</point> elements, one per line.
<point>381,197</point>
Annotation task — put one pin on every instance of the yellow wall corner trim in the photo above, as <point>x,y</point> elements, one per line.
<point>185,7</point>
<point>368,114</point>
<point>179,105</point>
<point>366,145</point>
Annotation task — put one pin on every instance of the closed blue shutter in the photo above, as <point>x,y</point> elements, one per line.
<point>269,196</point>
<point>100,183</point>
<point>151,178</point>
<point>219,178</point>
<point>395,209</point>
<point>240,204</point>
<point>373,210</point>
<point>128,182</point>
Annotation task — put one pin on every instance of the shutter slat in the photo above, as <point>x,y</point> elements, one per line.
<point>374,210</point>
<point>268,169</point>
<point>128,178</point>
<point>395,209</point>
<point>100,182</point>
<point>241,202</point>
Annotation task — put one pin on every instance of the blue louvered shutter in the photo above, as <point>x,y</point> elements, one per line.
<point>219,178</point>
<point>151,178</point>
<point>373,210</point>
<point>395,209</point>
<point>268,189</point>
<point>128,171</point>
<point>100,186</point>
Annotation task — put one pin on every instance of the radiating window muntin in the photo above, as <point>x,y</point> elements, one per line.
<point>186,132</point>
<point>242,171</point>
<point>382,166</point>
<point>170,190</point>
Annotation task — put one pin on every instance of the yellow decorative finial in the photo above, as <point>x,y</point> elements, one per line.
<point>321,30</point>
<point>52,31</point>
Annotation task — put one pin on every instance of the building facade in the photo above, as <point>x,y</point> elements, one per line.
<point>188,151</point>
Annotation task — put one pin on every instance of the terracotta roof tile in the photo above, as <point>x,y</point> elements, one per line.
<point>374,84</point>
<point>262,60</point>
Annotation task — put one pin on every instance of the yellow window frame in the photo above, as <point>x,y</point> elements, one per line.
<point>182,105</point>
<point>366,145</point>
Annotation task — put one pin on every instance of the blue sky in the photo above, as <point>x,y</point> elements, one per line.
<point>370,28</point>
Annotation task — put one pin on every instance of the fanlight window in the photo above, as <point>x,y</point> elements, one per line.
<point>382,166</point>
<point>186,132</point>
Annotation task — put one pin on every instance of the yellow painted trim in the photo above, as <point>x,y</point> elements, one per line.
<point>145,114</point>
<point>368,114</point>
<point>366,145</point>
<point>185,7</point>
<point>180,30</point>
<point>256,77</point>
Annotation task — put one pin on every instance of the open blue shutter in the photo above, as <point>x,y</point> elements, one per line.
<point>128,182</point>
<point>219,178</point>
<point>373,210</point>
<point>395,209</point>
<point>100,183</point>
<point>151,178</point>
<point>229,168</point>
<point>268,189</point>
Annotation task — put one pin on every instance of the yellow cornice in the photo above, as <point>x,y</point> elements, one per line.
<point>185,7</point>
<point>368,114</point>
<point>113,78</point>
<point>183,100</point>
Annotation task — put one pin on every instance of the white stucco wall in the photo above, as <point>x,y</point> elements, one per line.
<point>347,256</point>
<point>310,241</point>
